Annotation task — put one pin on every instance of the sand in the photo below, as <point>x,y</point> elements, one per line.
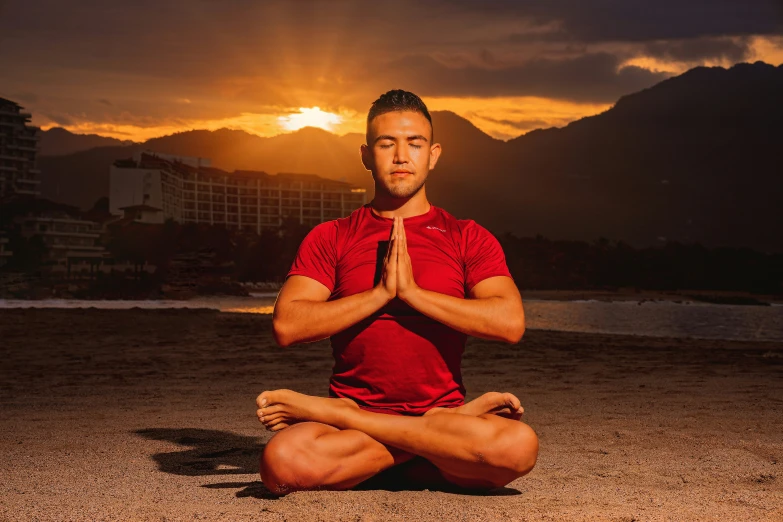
<point>149,415</point>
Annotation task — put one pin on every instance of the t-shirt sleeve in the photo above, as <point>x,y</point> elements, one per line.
<point>317,255</point>
<point>484,257</point>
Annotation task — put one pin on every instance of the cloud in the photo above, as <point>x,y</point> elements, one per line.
<point>523,124</point>
<point>642,20</point>
<point>138,63</point>
<point>24,97</point>
<point>60,119</point>
<point>700,49</point>
<point>592,77</point>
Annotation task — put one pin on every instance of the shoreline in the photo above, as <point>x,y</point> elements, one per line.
<point>675,296</point>
<point>678,296</point>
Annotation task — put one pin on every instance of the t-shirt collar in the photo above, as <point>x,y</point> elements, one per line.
<point>408,221</point>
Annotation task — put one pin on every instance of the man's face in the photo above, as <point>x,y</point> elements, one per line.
<point>399,152</point>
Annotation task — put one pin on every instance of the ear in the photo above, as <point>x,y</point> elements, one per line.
<point>367,157</point>
<point>435,151</point>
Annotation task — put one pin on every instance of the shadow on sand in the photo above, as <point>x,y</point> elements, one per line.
<point>212,452</point>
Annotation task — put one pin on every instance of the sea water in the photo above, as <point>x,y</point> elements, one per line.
<point>648,318</point>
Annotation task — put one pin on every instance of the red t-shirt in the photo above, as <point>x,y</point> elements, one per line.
<point>399,360</point>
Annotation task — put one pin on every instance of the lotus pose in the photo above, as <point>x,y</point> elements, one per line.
<point>398,286</point>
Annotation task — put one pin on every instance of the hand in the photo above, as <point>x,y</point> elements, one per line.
<point>388,283</point>
<point>406,285</point>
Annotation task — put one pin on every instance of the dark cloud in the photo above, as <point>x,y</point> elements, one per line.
<point>60,119</point>
<point>592,77</point>
<point>522,124</point>
<point>697,50</point>
<point>639,20</point>
<point>248,56</point>
<point>25,97</point>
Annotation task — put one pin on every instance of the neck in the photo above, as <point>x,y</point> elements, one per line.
<point>390,207</point>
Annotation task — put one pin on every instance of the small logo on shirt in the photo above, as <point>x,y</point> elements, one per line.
<point>434,228</point>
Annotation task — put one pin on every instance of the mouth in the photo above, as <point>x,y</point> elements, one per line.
<point>401,173</point>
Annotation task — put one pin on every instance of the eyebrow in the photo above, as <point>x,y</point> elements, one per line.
<point>392,138</point>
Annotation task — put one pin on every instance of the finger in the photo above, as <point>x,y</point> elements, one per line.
<point>404,238</point>
<point>391,240</point>
<point>395,251</point>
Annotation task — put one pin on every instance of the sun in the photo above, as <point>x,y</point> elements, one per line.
<point>310,117</point>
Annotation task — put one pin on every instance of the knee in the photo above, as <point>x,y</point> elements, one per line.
<point>514,449</point>
<point>286,466</point>
<point>524,449</point>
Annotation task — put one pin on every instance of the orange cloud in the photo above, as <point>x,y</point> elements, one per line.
<point>502,118</point>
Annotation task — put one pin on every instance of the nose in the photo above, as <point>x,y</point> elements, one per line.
<point>400,155</point>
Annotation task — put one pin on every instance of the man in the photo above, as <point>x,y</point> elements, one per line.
<point>398,286</point>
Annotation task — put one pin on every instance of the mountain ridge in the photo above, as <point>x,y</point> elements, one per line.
<point>689,159</point>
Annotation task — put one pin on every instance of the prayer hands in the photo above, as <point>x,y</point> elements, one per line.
<point>397,275</point>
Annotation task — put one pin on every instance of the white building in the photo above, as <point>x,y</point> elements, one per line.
<point>69,241</point>
<point>5,254</point>
<point>143,214</point>
<point>187,190</point>
<point>18,149</point>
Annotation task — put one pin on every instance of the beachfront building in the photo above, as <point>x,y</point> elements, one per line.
<point>18,149</point>
<point>5,254</point>
<point>142,214</point>
<point>189,190</point>
<point>71,243</point>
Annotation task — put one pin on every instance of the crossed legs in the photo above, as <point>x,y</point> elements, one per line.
<point>332,444</point>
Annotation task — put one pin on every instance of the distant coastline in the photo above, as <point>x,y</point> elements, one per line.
<point>250,290</point>
<point>679,296</point>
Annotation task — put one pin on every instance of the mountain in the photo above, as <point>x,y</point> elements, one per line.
<point>308,150</point>
<point>694,158</point>
<point>58,142</point>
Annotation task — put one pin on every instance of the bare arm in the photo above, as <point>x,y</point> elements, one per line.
<point>303,314</point>
<point>493,310</point>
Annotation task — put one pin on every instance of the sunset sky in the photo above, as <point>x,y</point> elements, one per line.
<point>136,70</point>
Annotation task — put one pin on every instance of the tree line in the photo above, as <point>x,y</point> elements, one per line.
<point>535,263</point>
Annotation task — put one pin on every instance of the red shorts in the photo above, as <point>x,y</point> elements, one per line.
<point>388,411</point>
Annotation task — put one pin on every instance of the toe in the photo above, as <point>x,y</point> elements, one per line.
<point>512,401</point>
<point>263,399</point>
<point>273,417</point>
<point>270,410</point>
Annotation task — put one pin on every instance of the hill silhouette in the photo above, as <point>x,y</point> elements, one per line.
<point>58,142</point>
<point>694,158</point>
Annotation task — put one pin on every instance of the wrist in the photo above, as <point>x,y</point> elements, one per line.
<point>381,295</point>
<point>410,294</point>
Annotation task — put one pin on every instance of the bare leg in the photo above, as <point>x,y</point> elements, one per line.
<point>311,455</point>
<point>483,451</point>
<point>503,404</point>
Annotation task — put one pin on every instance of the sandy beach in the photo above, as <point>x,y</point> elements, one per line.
<point>149,415</point>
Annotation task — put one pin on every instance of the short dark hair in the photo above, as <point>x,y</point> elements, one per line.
<point>398,100</point>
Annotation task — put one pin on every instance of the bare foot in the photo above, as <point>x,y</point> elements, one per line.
<point>278,409</point>
<point>503,404</point>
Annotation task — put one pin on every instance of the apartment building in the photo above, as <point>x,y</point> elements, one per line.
<point>5,254</point>
<point>18,149</point>
<point>188,190</point>
<point>68,239</point>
